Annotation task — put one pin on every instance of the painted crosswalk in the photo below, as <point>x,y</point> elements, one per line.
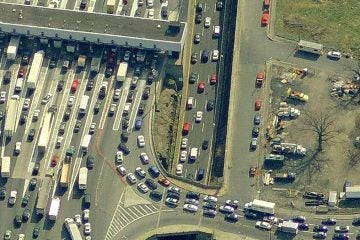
<point>124,216</point>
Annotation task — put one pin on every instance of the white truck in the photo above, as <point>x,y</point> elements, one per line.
<point>10,121</point>
<point>45,132</point>
<point>35,70</point>
<point>13,47</point>
<point>54,208</point>
<point>83,173</point>
<point>288,227</point>
<point>194,153</point>
<point>73,229</point>
<point>43,195</point>
<point>122,71</point>
<point>83,104</point>
<point>19,84</point>
<point>261,206</point>
<point>85,143</point>
<point>5,167</point>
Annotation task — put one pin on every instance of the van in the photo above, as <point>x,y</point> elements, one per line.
<point>190,103</point>
<point>154,171</point>
<point>138,124</point>
<point>65,66</point>
<point>200,174</point>
<point>205,55</point>
<point>266,5</point>
<point>19,84</point>
<point>126,109</point>
<point>74,85</point>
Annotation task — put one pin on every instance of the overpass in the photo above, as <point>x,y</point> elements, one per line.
<point>99,28</point>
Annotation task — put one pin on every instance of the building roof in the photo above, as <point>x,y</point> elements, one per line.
<point>89,22</point>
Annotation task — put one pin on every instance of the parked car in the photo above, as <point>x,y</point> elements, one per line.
<point>265,18</point>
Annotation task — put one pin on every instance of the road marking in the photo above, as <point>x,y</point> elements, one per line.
<point>119,8</point>
<point>122,102</point>
<point>108,99</point>
<point>91,6</point>
<point>136,104</point>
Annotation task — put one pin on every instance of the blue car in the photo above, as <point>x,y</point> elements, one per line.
<point>320,228</point>
<point>138,124</point>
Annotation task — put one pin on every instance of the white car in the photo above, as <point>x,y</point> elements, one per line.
<point>179,169</point>
<point>141,173</point>
<point>144,158</point>
<point>26,105</point>
<point>191,201</point>
<point>2,96</point>
<point>271,219</point>
<point>87,228</point>
<point>334,54</point>
<point>198,117</point>
<point>142,187</point>
<point>210,198</point>
<point>190,207</point>
<point>207,22</point>
<point>141,141</point>
<point>121,170</point>
<point>17,147</point>
<point>263,225</point>
<point>36,115</point>
<point>12,198</point>
<point>131,177</point>
<point>71,101</point>
<point>119,157</point>
<point>117,94</point>
<point>46,98</point>
<point>174,189</point>
<point>171,201</point>
<point>59,141</point>
<point>183,156</point>
<point>21,236</point>
<point>150,3</point>
<point>217,31</point>
<point>226,209</point>
<point>86,215</point>
<point>151,14</point>
<point>215,55</point>
<point>92,128</point>
<point>184,142</point>
<point>77,219</point>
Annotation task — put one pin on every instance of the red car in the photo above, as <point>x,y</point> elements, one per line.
<point>74,85</point>
<point>21,72</point>
<point>54,160</point>
<point>201,87</point>
<point>164,181</point>
<point>213,79</point>
<point>258,105</point>
<point>265,18</point>
<point>186,128</point>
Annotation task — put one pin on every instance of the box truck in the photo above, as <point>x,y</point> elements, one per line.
<point>122,71</point>
<point>45,132</point>
<point>288,227</point>
<point>35,69</point>
<point>83,173</point>
<point>54,208</point>
<point>85,143</point>
<point>10,121</point>
<point>261,206</point>
<point>83,104</point>
<point>5,167</point>
<point>13,47</point>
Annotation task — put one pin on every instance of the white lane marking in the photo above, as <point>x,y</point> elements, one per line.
<point>123,96</point>
<point>136,104</point>
<point>119,8</point>
<point>108,99</point>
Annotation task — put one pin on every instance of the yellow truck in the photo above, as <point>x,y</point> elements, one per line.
<point>110,6</point>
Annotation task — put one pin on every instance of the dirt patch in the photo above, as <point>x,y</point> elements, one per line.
<point>331,23</point>
<point>165,127</point>
<point>319,170</point>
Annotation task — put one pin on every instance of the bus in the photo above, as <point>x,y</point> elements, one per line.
<point>83,104</point>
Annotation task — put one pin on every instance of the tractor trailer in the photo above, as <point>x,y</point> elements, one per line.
<point>45,132</point>
<point>261,206</point>
<point>43,195</point>
<point>35,70</point>
<point>10,121</point>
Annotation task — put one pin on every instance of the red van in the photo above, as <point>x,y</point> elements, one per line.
<point>186,128</point>
<point>266,4</point>
<point>74,85</point>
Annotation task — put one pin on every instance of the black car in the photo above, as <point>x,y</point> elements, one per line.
<point>232,217</point>
<point>303,226</point>
<point>210,105</point>
<point>125,123</point>
<point>60,85</point>
<point>357,236</point>
<point>25,200</point>
<point>36,232</point>
<point>194,58</point>
<point>193,195</point>
<point>130,96</point>
<point>341,236</point>
<point>209,205</point>
<point>23,118</point>
<point>25,60</point>
<point>151,184</point>
<point>108,72</point>
<point>173,195</point>
<point>146,93</point>
<point>193,77</point>
<point>77,126</point>
<point>313,195</point>
<point>87,200</point>
<point>205,56</point>
<point>97,107</point>
<point>251,215</point>
<point>255,131</point>
<point>205,144</point>
<point>356,221</point>
<point>90,162</point>
<point>62,129</point>
<point>155,195</point>
<point>137,70</point>
<point>199,7</point>
<point>26,215</point>
<point>124,136</point>
<point>257,119</point>
<point>2,193</point>
<point>124,148</point>
<point>329,221</point>
<point>1,114</point>
<point>141,109</point>
<point>219,5</point>
<point>52,63</point>
<point>7,77</point>
<point>36,168</point>
<point>209,212</point>
<point>32,184</point>
<point>197,38</point>
<point>67,114</point>
<point>83,4</point>
<point>17,220</point>
<point>299,219</point>
<point>31,135</point>
<point>198,18</point>
<point>150,79</point>
<point>90,85</point>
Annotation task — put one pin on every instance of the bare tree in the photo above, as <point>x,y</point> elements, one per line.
<point>322,123</point>
<point>353,157</point>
